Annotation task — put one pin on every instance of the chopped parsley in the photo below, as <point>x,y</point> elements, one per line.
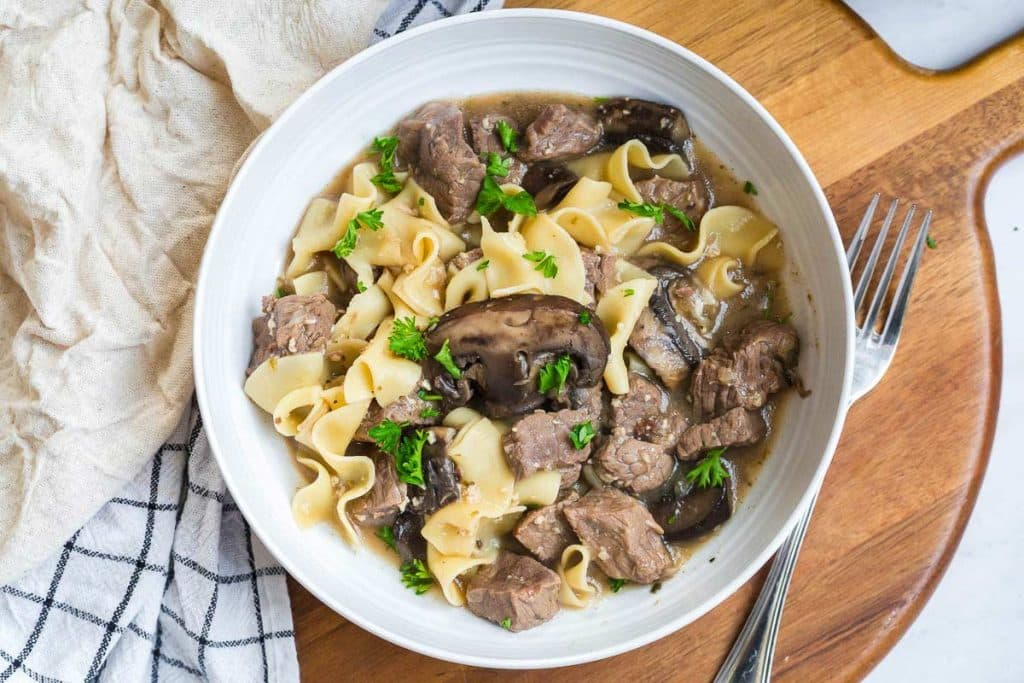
<point>601,100</point>
<point>444,357</point>
<point>749,188</point>
<point>415,576</point>
<point>430,412</point>
<point>553,375</point>
<point>426,396</point>
<point>521,203</point>
<point>371,219</point>
<point>492,198</point>
<point>672,518</point>
<point>279,292</point>
<point>616,584</point>
<point>347,243</point>
<point>545,262</point>
<point>930,241</point>
<point>681,216</point>
<point>387,434</point>
<point>409,458</point>
<point>581,435</point>
<point>584,317</point>
<point>386,534</point>
<point>506,623</point>
<point>642,209</point>
<point>385,145</point>
<point>709,471</point>
<point>483,264</point>
<point>629,291</point>
<point>360,287</point>
<point>496,166</point>
<point>387,181</point>
<point>508,135</point>
<point>406,340</point>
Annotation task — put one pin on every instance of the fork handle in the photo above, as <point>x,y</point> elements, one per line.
<point>750,658</point>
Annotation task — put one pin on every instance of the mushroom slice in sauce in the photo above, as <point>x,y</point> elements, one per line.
<point>662,127</point>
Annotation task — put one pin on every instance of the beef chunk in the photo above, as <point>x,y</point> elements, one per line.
<point>654,343</point>
<point>588,400</point>
<point>432,142</point>
<point>632,464</point>
<point>515,588</point>
<point>745,369</point>
<point>559,132</point>
<point>620,532</point>
<point>463,259</point>
<point>544,532</point>
<point>408,408</point>
<point>689,196</point>
<point>439,472</point>
<point>485,139</point>
<point>386,499</point>
<point>540,441</point>
<point>599,270</point>
<point>644,412</point>
<point>291,324</point>
<point>737,427</point>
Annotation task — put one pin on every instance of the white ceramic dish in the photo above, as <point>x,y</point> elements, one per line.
<point>506,51</point>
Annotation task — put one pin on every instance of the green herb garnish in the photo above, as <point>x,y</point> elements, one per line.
<point>521,203</point>
<point>279,292</point>
<point>506,623</point>
<point>749,188</point>
<point>425,396</point>
<point>496,166</point>
<point>642,209</point>
<point>672,518</point>
<point>387,434</point>
<point>409,458</point>
<point>444,357</point>
<point>360,287</point>
<point>545,262</point>
<point>371,219</point>
<point>483,265</point>
<point>553,375</point>
<point>416,577</point>
<point>385,145</point>
<point>492,198</point>
<point>430,412</point>
<point>421,201</point>
<point>930,241</point>
<point>581,435</point>
<point>629,291</point>
<point>601,100</point>
<point>347,243</point>
<point>508,135</point>
<point>386,534</point>
<point>406,340</point>
<point>584,317</point>
<point>680,216</point>
<point>387,181</point>
<point>616,584</point>
<point>709,471</point>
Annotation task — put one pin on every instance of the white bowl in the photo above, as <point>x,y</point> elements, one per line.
<point>325,128</point>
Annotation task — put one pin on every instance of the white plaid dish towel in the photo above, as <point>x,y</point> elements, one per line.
<point>166,581</point>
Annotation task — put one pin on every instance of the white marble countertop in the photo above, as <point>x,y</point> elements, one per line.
<point>972,629</point>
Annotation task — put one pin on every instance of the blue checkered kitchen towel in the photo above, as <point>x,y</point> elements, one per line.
<point>167,581</point>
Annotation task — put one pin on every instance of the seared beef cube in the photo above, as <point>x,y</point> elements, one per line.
<point>409,541</point>
<point>439,472</point>
<point>745,369</point>
<point>634,465</point>
<point>291,324</point>
<point>408,408</point>
<point>559,132</point>
<point>662,128</point>
<point>644,412</point>
<point>689,196</point>
<point>599,270</point>
<point>737,427</point>
<point>516,591</point>
<point>386,499</point>
<point>484,136</point>
<point>622,535</point>
<point>588,400</point>
<point>463,259</point>
<point>548,182</point>
<point>540,441</point>
<point>545,532</point>
<point>433,142</point>
<point>654,343</point>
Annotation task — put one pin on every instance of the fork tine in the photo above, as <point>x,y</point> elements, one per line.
<point>894,322</point>
<point>862,231</point>
<point>890,267</point>
<point>869,269</point>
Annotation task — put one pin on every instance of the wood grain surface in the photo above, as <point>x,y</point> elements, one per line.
<point>913,452</point>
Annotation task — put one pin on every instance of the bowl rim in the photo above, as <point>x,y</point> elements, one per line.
<point>709,603</point>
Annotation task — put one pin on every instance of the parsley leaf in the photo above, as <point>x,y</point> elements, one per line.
<point>680,216</point>
<point>425,396</point>
<point>749,188</point>
<point>629,291</point>
<point>545,262</point>
<point>416,577</point>
<point>506,623</point>
<point>279,292</point>
<point>409,458</point>
<point>406,340</point>
<point>387,181</point>
<point>709,471</point>
<point>385,145</point>
<point>347,243</point>
<point>371,219</point>
<point>616,584</point>
<point>430,412</point>
<point>521,203</point>
<point>601,100</point>
<point>930,241</point>
<point>492,198</point>
<point>509,136</point>
<point>387,434</point>
<point>581,435</point>
<point>496,166</point>
<point>584,317</point>
<point>483,264</point>
<point>553,375</point>
<point>360,287</point>
<point>444,357</point>
<point>646,210</point>
<point>386,534</point>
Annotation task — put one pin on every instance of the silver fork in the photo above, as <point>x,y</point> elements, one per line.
<point>751,656</point>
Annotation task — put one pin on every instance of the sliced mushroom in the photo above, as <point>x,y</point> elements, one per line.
<point>500,346</point>
<point>677,314</point>
<point>548,182</point>
<point>440,474</point>
<point>409,541</point>
<point>690,511</point>
<point>661,127</point>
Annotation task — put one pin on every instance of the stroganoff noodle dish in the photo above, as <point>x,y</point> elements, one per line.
<point>531,345</point>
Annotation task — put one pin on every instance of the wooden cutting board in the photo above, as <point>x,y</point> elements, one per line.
<point>913,452</point>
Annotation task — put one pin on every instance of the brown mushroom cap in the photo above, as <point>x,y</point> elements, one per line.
<point>661,127</point>
<point>684,334</point>
<point>501,345</point>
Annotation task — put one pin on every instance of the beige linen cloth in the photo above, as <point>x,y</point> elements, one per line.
<point>120,122</point>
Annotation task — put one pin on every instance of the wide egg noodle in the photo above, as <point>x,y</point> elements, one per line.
<point>364,314</point>
<point>275,377</point>
<point>421,287</point>
<point>312,283</point>
<point>634,154</point>
<point>467,286</point>
<point>447,569</point>
<point>540,488</point>
<point>590,214</point>
<point>331,436</point>
<point>576,590</point>
<point>544,234</point>
<point>717,275</point>
<point>619,309</point>
<point>314,502</point>
<point>378,373</point>
<point>725,230</point>
<point>509,272</point>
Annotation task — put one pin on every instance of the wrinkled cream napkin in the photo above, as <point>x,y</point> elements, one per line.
<point>120,122</point>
